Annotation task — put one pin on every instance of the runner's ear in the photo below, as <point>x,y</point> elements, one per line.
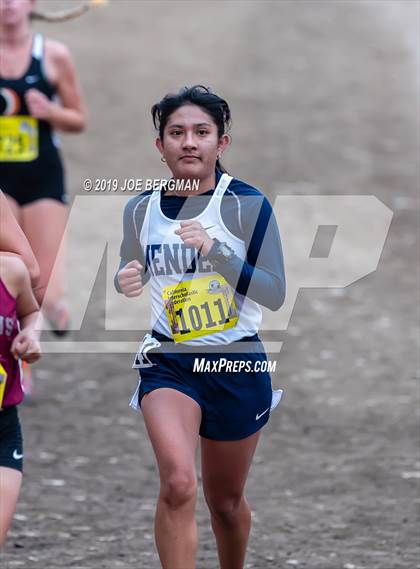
<point>159,145</point>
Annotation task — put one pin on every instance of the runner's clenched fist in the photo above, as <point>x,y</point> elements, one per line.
<point>193,234</point>
<point>129,279</point>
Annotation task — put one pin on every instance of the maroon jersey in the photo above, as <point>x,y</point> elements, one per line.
<point>9,328</point>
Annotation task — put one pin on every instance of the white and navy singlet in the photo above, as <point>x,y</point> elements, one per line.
<point>190,299</point>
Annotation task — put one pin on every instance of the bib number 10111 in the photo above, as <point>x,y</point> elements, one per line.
<point>203,318</point>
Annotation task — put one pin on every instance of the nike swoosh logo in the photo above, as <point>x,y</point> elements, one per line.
<point>258,416</point>
<point>16,455</point>
<point>31,78</point>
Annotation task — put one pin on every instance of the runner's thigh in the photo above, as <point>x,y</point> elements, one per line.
<point>173,421</point>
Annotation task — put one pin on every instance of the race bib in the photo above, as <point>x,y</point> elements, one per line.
<point>199,307</point>
<point>3,379</point>
<point>18,139</point>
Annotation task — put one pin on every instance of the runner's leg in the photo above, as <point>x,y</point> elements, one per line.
<point>173,421</point>
<point>10,482</point>
<point>44,222</point>
<point>225,467</point>
<point>16,209</point>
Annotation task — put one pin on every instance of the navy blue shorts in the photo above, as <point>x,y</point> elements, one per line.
<point>11,453</point>
<point>234,405</point>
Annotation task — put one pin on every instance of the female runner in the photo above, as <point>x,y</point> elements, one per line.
<point>14,242</point>
<point>39,94</point>
<point>213,256</point>
<point>19,340</point>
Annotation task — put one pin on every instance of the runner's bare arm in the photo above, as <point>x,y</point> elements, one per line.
<point>26,344</point>
<point>13,240</point>
<point>26,303</point>
<point>69,114</point>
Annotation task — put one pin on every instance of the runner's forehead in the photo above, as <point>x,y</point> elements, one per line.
<point>184,124</point>
<point>189,115</point>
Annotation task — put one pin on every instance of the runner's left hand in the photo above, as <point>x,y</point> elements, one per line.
<point>193,234</point>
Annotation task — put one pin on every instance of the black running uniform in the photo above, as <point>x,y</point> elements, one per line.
<point>30,163</point>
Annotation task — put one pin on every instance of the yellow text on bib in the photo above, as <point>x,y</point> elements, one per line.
<point>199,307</point>
<point>18,139</point>
<point>3,379</point>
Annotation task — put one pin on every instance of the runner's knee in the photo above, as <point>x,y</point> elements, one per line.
<point>179,488</point>
<point>225,507</point>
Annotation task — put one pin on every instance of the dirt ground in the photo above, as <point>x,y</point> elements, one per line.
<point>324,100</point>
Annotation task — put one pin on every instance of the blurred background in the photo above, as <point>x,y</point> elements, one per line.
<point>324,98</point>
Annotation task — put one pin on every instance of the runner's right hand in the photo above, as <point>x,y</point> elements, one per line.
<point>26,347</point>
<point>129,279</point>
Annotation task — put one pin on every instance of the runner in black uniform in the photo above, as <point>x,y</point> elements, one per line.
<point>39,93</point>
<point>30,164</point>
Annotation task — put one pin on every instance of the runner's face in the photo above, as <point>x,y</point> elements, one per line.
<point>190,143</point>
<point>14,12</point>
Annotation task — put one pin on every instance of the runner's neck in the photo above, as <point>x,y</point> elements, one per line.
<point>15,37</point>
<point>205,186</point>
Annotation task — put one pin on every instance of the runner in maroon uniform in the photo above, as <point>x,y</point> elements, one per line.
<point>19,312</point>
<point>14,242</point>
